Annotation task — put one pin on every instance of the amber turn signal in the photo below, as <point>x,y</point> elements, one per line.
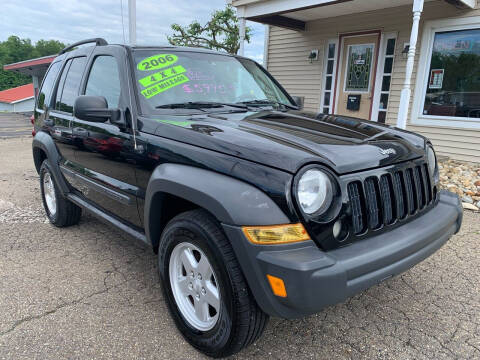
<point>276,234</point>
<point>277,285</point>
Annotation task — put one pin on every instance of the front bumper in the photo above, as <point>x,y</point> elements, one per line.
<point>315,279</point>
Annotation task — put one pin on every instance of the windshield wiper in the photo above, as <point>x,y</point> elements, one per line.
<point>200,105</point>
<point>267,102</point>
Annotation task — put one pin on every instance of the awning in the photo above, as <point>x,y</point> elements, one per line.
<point>33,67</point>
<point>294,14</point>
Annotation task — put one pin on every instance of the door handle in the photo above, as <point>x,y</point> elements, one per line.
<point>80,131</point>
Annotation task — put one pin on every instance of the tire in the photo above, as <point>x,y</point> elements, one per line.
<point>239,320</point>
<point>61,212</point>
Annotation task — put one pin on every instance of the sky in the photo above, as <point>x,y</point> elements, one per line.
<point>73,20</point>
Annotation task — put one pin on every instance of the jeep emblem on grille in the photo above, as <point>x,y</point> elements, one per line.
<point>388,151</point>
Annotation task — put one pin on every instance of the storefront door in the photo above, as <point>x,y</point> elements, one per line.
<point>355,86</point>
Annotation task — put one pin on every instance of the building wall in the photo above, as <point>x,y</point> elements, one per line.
<point>22,106</point>
<point>288,52</point>
<point>6,107</point>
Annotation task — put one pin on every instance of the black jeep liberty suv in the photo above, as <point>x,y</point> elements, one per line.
<point>254,207</point>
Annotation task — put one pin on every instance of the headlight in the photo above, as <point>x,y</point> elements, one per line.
<point>314,191</point>
<point>432,160</point>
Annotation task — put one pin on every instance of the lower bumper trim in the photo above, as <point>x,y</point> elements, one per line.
<point>315,279</point>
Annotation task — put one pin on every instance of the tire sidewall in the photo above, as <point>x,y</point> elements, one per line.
<point>217,338</point>
<point>44,169</point>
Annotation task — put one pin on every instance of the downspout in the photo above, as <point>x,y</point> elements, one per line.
<point>406,91</point>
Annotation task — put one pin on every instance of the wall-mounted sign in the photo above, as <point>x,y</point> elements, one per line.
<point>436,79</point>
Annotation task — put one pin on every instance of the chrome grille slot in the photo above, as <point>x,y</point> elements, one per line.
<point>400,195</point>
<point>358,220</point>
<point>410,189</point>
<point>383,200</point>
<point>373,203</point>
<point>386,193</point>
<point>419,187</point>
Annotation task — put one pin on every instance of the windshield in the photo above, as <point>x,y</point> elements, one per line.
<point>177,79</point>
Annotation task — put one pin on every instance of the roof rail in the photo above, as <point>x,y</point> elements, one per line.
<point>97,41</point>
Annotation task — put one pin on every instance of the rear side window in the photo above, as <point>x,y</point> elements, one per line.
<point>61,82</point>
<point>104,80</point>
<point>47,86</point>
<point>71,86</point>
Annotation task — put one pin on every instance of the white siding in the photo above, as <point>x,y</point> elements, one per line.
<point>24,106</point>
<point>21,106</point>
<point>6,106</point>
<point>288,61</point>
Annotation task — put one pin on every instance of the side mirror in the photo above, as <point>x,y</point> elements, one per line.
<point>299,100</point>
<point>94,109</point>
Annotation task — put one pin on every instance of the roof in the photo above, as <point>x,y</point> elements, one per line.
<point>17,94</point>
<point>293,14</point>
<point>36,66</point>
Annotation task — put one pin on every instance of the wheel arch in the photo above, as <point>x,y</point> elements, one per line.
<point>229,200</point>
<point>43,148</point>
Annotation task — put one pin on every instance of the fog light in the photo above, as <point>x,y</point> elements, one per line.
<point>276,234</point>
<point>277,285</point>
<point>337,228</point>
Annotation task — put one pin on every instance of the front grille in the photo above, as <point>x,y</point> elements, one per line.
<point>379,201</point>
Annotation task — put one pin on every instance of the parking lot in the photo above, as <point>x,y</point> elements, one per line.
<point>14,125</point>
<point>91,292</point>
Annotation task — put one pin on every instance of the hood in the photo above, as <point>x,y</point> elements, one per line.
<point>289,140</point>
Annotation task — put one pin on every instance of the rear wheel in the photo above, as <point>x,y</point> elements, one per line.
<point>60,211</point>
<point>205,289</point>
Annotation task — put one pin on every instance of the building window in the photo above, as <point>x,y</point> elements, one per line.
<point>453,81</point>
<point>359,67</point>
<point>329,76</point>
<point>389,57</point>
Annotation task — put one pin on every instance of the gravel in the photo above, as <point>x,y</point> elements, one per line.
<point>462,178</point>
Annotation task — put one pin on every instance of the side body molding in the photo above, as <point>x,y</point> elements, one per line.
<point>230,200</point>
<point>44,142</point>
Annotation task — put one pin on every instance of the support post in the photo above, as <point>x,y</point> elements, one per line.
<point>242,28</point>
<point>132,22</point>
<point>36,85</point>
<point>265,46</point>
<point>406,91</point>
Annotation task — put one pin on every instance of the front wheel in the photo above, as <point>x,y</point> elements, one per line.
<point>205,289</point>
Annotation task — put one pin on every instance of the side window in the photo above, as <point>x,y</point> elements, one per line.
<point>104,80</point>
<point>71,86</point>
<point>47,85</point>
<point>61,82</point>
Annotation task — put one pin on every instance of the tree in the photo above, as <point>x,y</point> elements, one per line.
<point>219,33</point>
<point>48,47</point>
<point>15,49</point>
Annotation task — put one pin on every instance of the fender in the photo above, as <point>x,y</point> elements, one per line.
<point>231,201</point>
<point>44,142</point>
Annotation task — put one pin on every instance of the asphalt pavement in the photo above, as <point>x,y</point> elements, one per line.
<point>14,125</point>
<point>90,292</point>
